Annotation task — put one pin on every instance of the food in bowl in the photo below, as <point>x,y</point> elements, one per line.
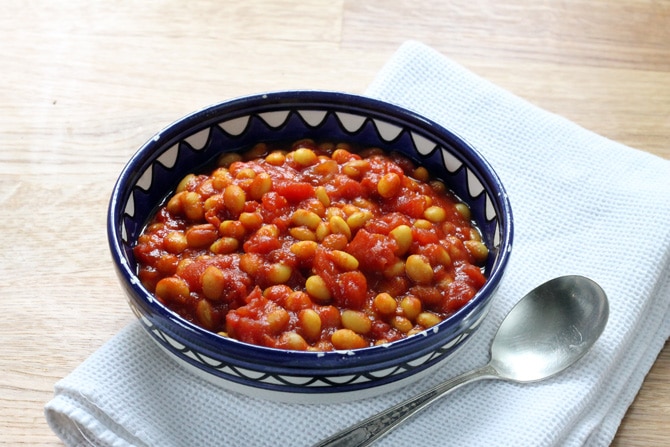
<point>194,143</point>
<point>310,246</point>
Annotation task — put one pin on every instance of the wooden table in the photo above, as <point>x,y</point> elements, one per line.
<point>84,83</point>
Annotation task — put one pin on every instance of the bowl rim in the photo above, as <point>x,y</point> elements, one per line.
<point>305,99</point>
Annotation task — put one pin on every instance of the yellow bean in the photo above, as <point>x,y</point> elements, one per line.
<point>357,321</point>
<point>322,231</point>
<point>234,198</point>
<point>421,174</point>
<point>302,233</point>
<point>175,242</point>
<point>228,159</point>
<point>384,303</point>
<point>245,173</point>
<point>347,339</point>
<point>251,221</point>
<point>358,218</point>
<point>307,218</point>
<point>193,205</point>
<point>183,184</point>
<point>172,288</point>
<point>316,288</point>
<point>344,260</point>
<point>389,185</point>
<point>203,311</point>
<point>259,150</point>
<point>418,269</point>
<point>435,214</point>
<point>403,237</point>
<point>275,158</point>
<point>224,245</point>
<point>304,157</point>
<point>339,226</point>
<point>260,185</point>
<point>423,224</point>
<point>293,341</point>
<point>427,319</point>
<point>213,282</point>
<point>232,228</point>
<point>310,322</point>
<point>201,236</point>
<point>277,320</point>
<point>478,250</point>
<point>322,195</point>
<point>279,273</point>
<point>304,249</point>
<point>402,324</point>
<point>411,306</point>
<point>463,210</point>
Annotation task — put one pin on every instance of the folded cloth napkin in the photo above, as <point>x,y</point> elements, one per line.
<point>582,204</point>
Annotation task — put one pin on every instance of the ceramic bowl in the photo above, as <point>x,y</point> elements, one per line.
<point>193,141</point>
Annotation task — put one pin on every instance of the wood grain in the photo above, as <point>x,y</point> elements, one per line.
<point>83,84</point>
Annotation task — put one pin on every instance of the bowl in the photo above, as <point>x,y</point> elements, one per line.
<point>303,376</point>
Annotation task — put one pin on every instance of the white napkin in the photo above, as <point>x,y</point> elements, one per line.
<point>582,205</point>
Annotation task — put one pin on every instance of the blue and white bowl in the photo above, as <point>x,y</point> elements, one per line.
<point>195,140</point>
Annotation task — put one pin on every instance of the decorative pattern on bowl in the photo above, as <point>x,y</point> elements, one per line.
<point>198,139</point>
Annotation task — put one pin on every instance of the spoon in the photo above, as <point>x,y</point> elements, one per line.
<point>551,328</point>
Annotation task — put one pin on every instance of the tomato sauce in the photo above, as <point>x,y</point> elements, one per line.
<point>312,247</point>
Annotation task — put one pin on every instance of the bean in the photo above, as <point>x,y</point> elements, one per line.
<point>403,237</point>
<point>221,178</point>
<point>259,150</point>
<point>175,242</point>
<point>435,214</point>
<point>172,288</point>
<point>251,221</point>
<point>411,306</point>
<point>358,218</point>
<point>245,173</point>
<point>421,174</point>
<point>213,283</point>
<point>203,312</point>
<point>357,321</point>
<point>326,168</point>
<point>322,231</point>
<point>302,233</point>
<point>347,339</point>
<point>463,210</point>
<point>423,224</point>
<point>339,225</point>
<point>201,236</point>
<point>193,205</point>
<point>310,323</point>
<point>304,249</point>
<point>250,263</point>
<point>232,228</point>
<point>277,320</point>
<point>304,157</point>
<point>260,185</point>
<point>224,245</point>
<point>279,273</point>
<point>344,260</point>
<point>167,264</point>
<point>297,300</point>
<point>316,287</point>
<point>335,241</point>
<point>322,195</point>
<point>276,158</point>
<point>293,341</point>
<point>183,184</point>
<point>384,303</point>
<point>402,324</point>
<point>389,185</point>
<point>228,159</point>
<point>418,269</point>
<point>478,250</point>
<point>234,198</point>
<point>427,319</point>
<point>309,219</point>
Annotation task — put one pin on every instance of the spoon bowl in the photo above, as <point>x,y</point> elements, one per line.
<point>547,331</point>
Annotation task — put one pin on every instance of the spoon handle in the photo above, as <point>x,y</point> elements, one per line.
<point>369,430</point>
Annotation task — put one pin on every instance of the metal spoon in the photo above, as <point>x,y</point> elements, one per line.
<point>547,331</point>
